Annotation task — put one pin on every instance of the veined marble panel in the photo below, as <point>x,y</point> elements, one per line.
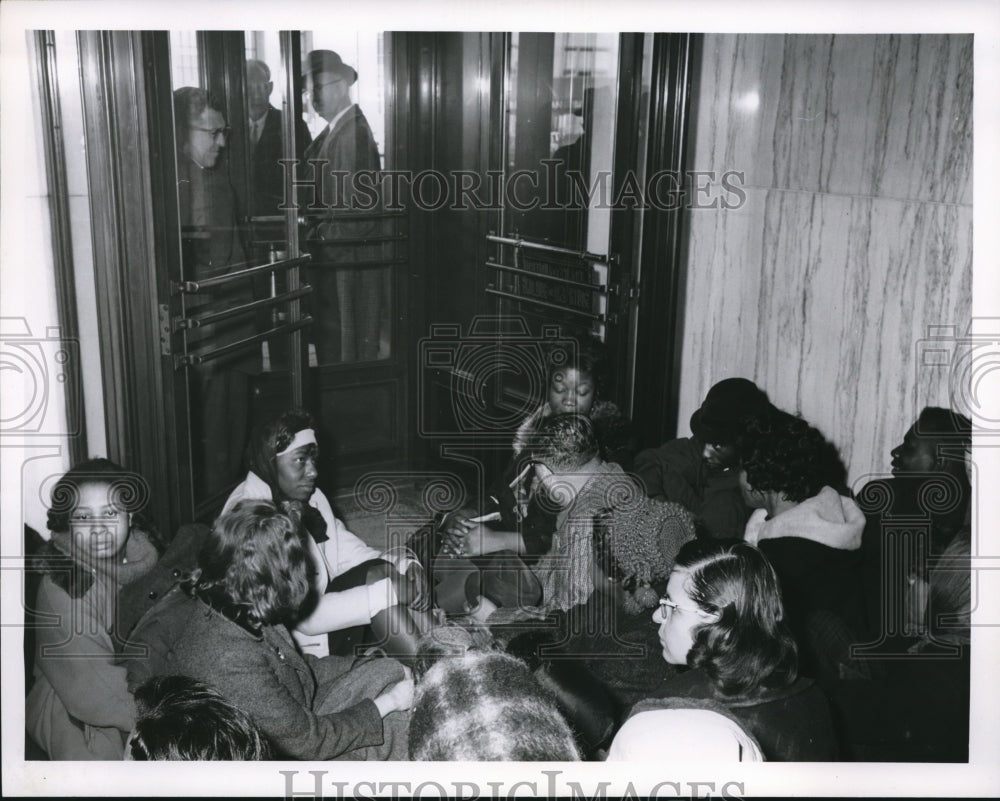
<point>822,300</point>
<point>721,317</point>
<point>875,115</point>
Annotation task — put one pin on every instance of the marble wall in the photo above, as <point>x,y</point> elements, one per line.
<point>855,238</point>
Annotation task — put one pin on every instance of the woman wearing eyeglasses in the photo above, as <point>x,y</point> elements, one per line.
<point>722,618</point>
<point>79,706</point>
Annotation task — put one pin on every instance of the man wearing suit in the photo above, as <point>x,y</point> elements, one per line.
<point>212,246</point>
<point>267,173</point>
<point>350,302</point>
<point>267,188</point>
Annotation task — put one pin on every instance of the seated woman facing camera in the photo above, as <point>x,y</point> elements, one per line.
<point>723,618</point>
<point>355,585</point>
<point>227,627</point>
<point>79,706</point>
<point>574,380</point>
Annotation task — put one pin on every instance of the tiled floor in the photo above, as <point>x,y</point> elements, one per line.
<point>385,517</point>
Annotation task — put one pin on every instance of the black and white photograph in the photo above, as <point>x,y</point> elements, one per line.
<point>500,400</point>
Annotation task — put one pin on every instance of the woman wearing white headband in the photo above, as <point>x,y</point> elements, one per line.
<point>355,584</point>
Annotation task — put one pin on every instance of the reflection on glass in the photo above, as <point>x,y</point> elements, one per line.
<point>214,244</point>
<point>265,98</point>
<point>348,237</point>
<point>561,132</point>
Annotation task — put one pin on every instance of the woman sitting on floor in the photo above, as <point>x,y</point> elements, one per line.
<point>810,532</point>
<point>227,627</point>
<point>574,383</point>
<point>591,500</point>
<point>355,585</point>
<point>723,618</point>
<point>79,706</point>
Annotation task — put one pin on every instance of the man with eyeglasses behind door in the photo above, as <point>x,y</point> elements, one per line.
<point>212,245</point>
<point>350,303</point>
<point>205,197</point>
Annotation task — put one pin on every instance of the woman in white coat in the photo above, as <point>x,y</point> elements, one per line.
<point>355,585</point>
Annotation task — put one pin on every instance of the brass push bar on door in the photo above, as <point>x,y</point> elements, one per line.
<point>243,344</point>
<point>194,287</point>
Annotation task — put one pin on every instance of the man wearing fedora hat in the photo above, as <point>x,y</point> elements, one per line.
<point>700,472</point>
<point>350,303</point>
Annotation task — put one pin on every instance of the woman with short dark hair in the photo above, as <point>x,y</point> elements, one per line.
<point>227,626</point>
<point>180,718</point>
<point>79,706</point>
<point>810,530</point>
<point>741,640</point>
<point>723,618</point>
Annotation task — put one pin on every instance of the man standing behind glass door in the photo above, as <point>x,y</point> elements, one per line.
<point>267,193</point>
<point>350,303</point>
<point>268,176</point>
<point>212,245</point>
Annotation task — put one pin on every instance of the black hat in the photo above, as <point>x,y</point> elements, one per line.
<point>328,61</point>
<point>728,407</point>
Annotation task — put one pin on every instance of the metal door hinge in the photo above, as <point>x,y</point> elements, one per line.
<point>165,330</point>
<point>626,289</point>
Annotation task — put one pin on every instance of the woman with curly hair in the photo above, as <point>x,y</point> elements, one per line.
<point>723,618</point>
<point>228,627</point>
<point>356,586</point>
<point>810,531</point>
<point>79,706</point>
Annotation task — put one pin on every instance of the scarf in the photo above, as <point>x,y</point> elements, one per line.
<point>137,558</point>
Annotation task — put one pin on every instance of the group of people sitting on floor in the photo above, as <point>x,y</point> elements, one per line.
<point>795,622</point>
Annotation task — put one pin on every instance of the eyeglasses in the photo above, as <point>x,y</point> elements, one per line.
<point>215,132</point>
<point>668,607</point>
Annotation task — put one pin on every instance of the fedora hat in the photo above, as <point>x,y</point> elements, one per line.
<point>328,61</point>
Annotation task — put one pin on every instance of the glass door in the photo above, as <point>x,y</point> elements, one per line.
<point>553,269</point>
<point>357,346</point>
<point>235,304</point>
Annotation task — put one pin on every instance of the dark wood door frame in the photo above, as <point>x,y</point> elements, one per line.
<point>662,286</point>
<point>124,202</point>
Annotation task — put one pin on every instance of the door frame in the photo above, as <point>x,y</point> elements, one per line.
<point>660,268</point>
<point>136,240</point>
<point>126,197</point>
